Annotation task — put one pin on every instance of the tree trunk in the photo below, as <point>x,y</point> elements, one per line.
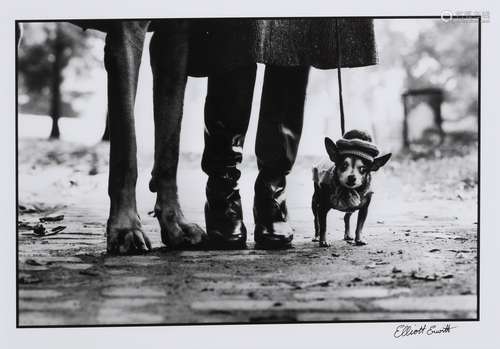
<point>55,104</point>
<point>105,136</point>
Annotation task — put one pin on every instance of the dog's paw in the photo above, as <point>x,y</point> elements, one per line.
<point>324,244</point>
<point>315,239</point>
<point>127,241</point>
<point>348,238</point>
<point>124,234</point>
<point>193,234</point>
<point>360,243</point>
<point>176,233</point>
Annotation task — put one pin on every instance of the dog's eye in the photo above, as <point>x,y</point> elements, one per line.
<point>362,170</point>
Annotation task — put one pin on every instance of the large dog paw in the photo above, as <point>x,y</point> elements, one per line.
<point>176,232</point>
<point>125,236</point>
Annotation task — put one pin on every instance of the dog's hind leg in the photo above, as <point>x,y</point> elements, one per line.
<point>169,56</point>
<point>347,221</point>
<point>315,206</point>
<point>122,57</point>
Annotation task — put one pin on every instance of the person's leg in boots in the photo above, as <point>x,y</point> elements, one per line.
<point>278,136</point>
<point>227,113</point>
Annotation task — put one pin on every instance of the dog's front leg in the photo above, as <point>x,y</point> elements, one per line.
<point>347,223</point>
<point>169,56</point>
<point>122,57</point>
<point>362,214</point>
<point>322,214</point>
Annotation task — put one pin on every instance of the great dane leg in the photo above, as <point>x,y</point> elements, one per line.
<point>122,57</point>
<point>169,55</point>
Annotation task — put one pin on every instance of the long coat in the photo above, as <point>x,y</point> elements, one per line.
<point>218,45</point>
<point>223,44</point>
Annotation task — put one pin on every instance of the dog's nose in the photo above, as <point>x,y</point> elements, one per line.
<point>351,180</point>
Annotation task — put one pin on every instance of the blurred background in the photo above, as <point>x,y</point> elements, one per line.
<point>62,90</point>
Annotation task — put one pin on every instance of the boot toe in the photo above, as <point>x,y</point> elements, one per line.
<point>278,236</point>
<point>227,238</point>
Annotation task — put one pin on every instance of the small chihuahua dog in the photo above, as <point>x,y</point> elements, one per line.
<point>345,184</point>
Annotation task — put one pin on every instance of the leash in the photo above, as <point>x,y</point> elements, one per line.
<point>339,77</point>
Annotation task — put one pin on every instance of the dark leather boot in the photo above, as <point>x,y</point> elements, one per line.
<point>224,216</point>
<point>278,137</point>
<point>227,113</point>
<point>272,230</point>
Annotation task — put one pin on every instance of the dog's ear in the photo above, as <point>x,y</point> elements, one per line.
<point>331,149</point>
<point>380,161</point>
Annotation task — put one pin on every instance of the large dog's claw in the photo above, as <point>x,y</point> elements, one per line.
<point>178,234</point>
<point>194,235</point>
<point>183,236</point>
<point>125,241</point>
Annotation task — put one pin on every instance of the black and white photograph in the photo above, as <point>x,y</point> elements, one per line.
<point>247,170</point>
<point>215,175</point>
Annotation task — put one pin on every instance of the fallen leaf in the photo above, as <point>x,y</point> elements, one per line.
<point>57,229</point>
<point>435,250</point>
<point>32,262</point>
<point>39,229</point>
<point>51,218</point>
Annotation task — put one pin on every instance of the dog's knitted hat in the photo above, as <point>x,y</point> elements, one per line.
<point>358,143</point>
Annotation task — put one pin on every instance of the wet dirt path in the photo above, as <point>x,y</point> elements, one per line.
<point>420,261</point>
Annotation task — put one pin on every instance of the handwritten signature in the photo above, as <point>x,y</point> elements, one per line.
<point>408,330</point>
